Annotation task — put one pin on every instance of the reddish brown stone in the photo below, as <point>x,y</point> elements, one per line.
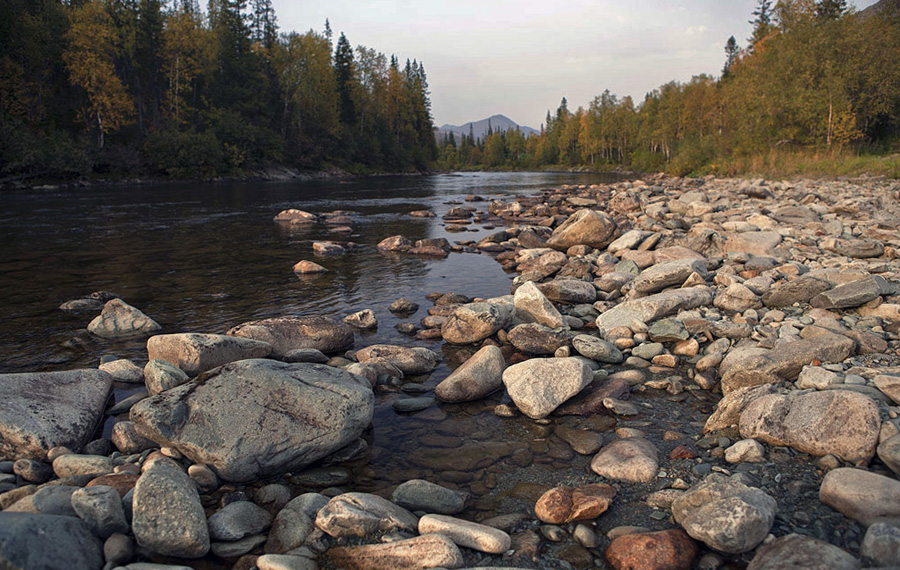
<point>562,505</point>
<point>554,506</point>
<point>121,482</point>
<point>664,550</point>
<point>682,452</point>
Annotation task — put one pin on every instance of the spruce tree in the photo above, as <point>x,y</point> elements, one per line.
<point>762,22</point>
<point>831,9</point>
<point>731,56</point>
<point>343,72</point>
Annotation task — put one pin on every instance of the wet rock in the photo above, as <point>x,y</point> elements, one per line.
<point>760,244</point>
<point>652,308</point>
<point>535,307</point>
<point>584,227</point>
<point>33,471</point>
<point>42,410</point>
<point>194,353</point>
<point>464,533</point>
<point>361,514</point>
<point>305,267</point>
<point>474,322</point>
<point>295,216</point>
<point>403,306</point>
<point>160,376</point>
<point>663,550</point>
<point>426,551</point>
<point>410,361</point>
<point>533,338</point>
<point>253,419</point>
<point>478,377</point>
<point>597,349</point>
<point>306,355</point>
<point>101,509</point>
<point>881,544</point>
<point>238,520</point>
<point>123,370</point>
<point>726,515</point>
<point>395,243</point>
<point>853,294</point>
<point>634,460</point>
<point>669,274</point>
<point>570,291</point>
<point>539,386</point>
<point>119,320</point>
<point>44,541</point>
<point>288,333</point>
<point>836,422</point>
<point>862,495</point>
<point>583,442</point>
<point>294,523</point>
<point>801,552</point>
<point>409,405</point>
<point>562,505</point>
<point>420,495</point>
<point>328,248</point>
<point>168,517</point>
<point>798,290</point>
<point>363,320</point>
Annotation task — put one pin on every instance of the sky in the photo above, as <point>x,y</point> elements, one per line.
<point>519,58</point>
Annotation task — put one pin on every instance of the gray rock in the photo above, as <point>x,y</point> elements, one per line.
<point>654,307</point>
<point>629,240</point>
<point>33,471</point>
<point>725,515</point>
<point>857,248</point>
<point>100,507</point>
<point>361,514</point>
<point>285,562</point>
<point>881,544</point>
<point>597,349</point>
<point>238,520</point>
<point>306,355</point>
<point>533,338</point>
<point>236,548</point>
<point>539,386</point>
<point>584,227</point>
<point>73,464</point>
<point>29,541</point>
<point>127,440</point>
<point>797,552</point>
<point>410,361</point>
<point>254,419</point>
<point>799,290</point>
<point>119,320</point>
<point>889,453</point>
<point>363,320</point>
<point>294,523</point>
<point>195,352</point>
<point>533,306</point>
<point>633,460</point>
<point>426,551</point>
<point>668,274</point>
<point>118,549</point>
<point>395,243</point>
<point>42,410</point>
<point>168,518</point>
<point>160,376</point>
<point>123,370</point>
<point>817,378</point>
<point>409,405</point>
<point>465,533</point>
<point>420,495</point>
<point>889,386</point>
<point>760,244</point>
<point>569,291</point>
<point>835,422</point>
<point>737,298</point>
<point>478,377</point>
<point>403,305</point>
<point>475,322</point>
<point>648,350</point>
<point>668,330</point>
<point>853,294</point>
<point>862,495</point>
<point>55,500</point>
<point>288,333</point>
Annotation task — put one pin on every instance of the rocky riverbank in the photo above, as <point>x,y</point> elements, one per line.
<point>714,363</point>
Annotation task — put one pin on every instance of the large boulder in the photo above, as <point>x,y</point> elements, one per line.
<point>42,410</point>
<point>836,422</point>
<point>539,386</point>
<point>725,514</point>
<point>584,227</point>
<point>119,320</point>
<point>853,294</point>
<point>288,333</point>
<point>571,291</point>
<point>475,322</point>
<point>479,376</point>
<point>799,290</point>
<point>648,309</point>
<point>410,361</point>
<point>194,353</point>
<point>254,419</point>
<point>37,541</point>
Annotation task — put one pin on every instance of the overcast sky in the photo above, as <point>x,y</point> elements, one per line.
<point>520,57</point>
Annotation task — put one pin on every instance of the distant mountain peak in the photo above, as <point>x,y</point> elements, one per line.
<point>479,129</point>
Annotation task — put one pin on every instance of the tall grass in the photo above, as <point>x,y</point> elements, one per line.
<point>792,164</point>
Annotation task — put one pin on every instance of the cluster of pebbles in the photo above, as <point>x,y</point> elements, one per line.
<point>722,357</point>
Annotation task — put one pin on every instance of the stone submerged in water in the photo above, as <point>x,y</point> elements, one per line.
<point>119,320</point>
<point>254,419</point>
<point>194,353</point>
<point>474,322</point>
<point>421,495</point>
<point>42,410</point>
<point>539,386</point>
<point>287,333</point>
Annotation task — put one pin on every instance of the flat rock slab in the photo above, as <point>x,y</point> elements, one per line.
<point>426,551</point>
<point>760,244</point>
<point>421,495</point>
<point>254,419</point>
<point>31,541</point>
<point>288,333</point>
<point>862,495</point>
<point>657,277</point>
<point>42,410</point>
<point>853,294</point>
<point>648,309</point>
<point>196,352</point>
<point>411,361</point>
<point>837,422</point>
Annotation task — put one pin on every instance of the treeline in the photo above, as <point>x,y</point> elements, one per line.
<point>814,78</point>
<point>135,87</point>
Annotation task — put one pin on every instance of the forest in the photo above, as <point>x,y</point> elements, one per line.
<point>130,88</point>
<point>816,89</point>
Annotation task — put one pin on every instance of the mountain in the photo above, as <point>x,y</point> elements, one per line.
<point>497,123</point>
<point>884,7</point>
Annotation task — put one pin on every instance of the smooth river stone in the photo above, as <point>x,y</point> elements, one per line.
<point>195,352</point>
<point>539,386</point>
<point>361,514</point>
<point>633,459</point>
<point>426,551</point>
<point>31,541</point>
<point>478,377</point>
<point>465,533</point>
<point>288,333</point>
<point>119,320</point>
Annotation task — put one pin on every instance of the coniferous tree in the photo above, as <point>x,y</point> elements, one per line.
<point>831,9</point>
<point>343,72</point>
<point>762,23</point>
<point>731,56</point>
